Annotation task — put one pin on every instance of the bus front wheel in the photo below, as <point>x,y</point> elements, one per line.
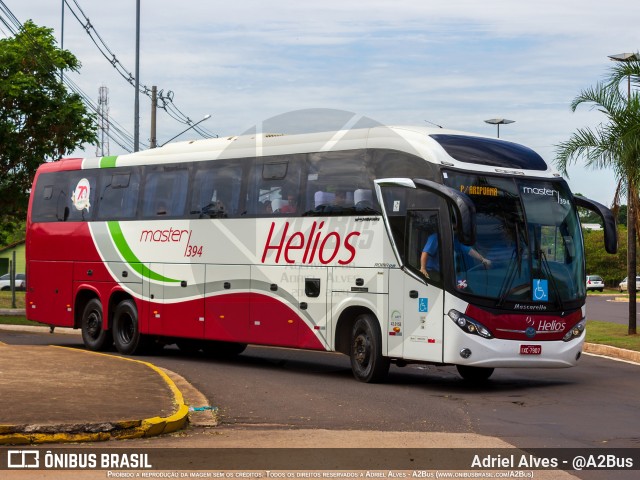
<point>474,374</point>
<point>94,336</point>
<point>126,332</point>
<point>367,363</point>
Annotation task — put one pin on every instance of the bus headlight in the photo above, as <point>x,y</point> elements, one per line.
<point>575,331</point>
<point>469,325</point>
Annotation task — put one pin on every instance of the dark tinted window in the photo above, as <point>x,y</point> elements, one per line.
<point>165,192</point>
<point>339,183</point>
<point>394,164</point>
<point>216,190</point>
<point>46,197</point>
<point>65,196</point>
<point>490,152</point>
<point>119,194</point>
<point>275,186</point>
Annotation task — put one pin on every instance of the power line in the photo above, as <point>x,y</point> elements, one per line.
<point>165,102</point>
<point>116,132</point>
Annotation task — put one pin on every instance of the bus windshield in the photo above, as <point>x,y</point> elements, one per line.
<point>529,233</point>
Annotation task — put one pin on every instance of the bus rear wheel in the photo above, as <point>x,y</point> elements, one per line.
<point>367,363</point>
<point>474,374</point>
<point>126,332</point>
<point>94,336</point>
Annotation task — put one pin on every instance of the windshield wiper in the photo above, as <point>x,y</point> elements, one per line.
<point>518,249</point>
<point>512,269</point>
<point>508,279</point>
<point>545,263</point>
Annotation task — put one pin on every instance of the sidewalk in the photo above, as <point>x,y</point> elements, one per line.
<point>63,394</point>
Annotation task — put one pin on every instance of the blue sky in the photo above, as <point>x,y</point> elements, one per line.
<point>454,63</point>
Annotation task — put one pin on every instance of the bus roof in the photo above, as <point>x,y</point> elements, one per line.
<point>417,140</point>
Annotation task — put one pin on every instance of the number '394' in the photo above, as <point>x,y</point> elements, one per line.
<point>193,251</point>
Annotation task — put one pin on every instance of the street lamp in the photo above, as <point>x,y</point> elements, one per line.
<point>625,57</point>
<point>206,117</point>
<point>498,122</point>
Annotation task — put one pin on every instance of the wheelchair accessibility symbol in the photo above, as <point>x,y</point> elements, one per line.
<point>423,305</point>
<point>540,290</point>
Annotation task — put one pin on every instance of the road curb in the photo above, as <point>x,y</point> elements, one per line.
<point>147,427</point>
<point>612,352</point>
<point>13,312</point>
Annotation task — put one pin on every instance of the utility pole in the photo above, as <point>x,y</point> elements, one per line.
<point>62,41</point>
<point>154,106</point>
<point>136,107</point>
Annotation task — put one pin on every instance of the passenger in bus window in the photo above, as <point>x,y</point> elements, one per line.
<point>340,200</point>
<point>291,206</point>
<point>162,208</point>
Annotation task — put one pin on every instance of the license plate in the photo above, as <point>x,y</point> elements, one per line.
<point>530,349</point>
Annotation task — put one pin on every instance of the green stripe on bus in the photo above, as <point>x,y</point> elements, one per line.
<point>130,257</point>
<point>108,162</point>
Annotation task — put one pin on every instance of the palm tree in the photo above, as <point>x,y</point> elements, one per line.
<point>615,144</point>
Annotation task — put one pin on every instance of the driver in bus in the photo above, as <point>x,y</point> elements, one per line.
<point>430,260</point>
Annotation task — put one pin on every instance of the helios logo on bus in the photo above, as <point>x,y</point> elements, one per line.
<point>316,241</point>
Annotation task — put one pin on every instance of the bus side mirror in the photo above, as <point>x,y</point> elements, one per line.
<point>608,220</point>
<point>463,208</point>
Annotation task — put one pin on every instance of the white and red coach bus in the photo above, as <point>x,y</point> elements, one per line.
<point>315,241</point>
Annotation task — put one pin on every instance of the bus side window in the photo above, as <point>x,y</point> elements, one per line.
<point>216,190</point>
<point>80,199</point>
<point>118,195</point>
<point>165,193</point>
<point>45,200</point>
<point>424,239</point>
<point>276,185</point>
<point>339,183</point>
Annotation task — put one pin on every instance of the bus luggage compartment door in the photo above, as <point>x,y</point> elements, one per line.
<point>176,299</point>
<point>289,306</point>
<point>227,301</point>
<point>49,293</point>
<point>274,314</point>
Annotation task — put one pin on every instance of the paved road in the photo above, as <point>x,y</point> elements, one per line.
<point>606,308</point>
<point>593,405</point>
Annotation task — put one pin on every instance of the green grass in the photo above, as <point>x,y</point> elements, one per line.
<point>607,291</point>
<point>17,320</point>
<point>5,300</point>
<point>612,334</point>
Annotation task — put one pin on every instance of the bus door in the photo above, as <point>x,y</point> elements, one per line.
<point>176,299</point>
<point>423,297</point>
<point>416,302</point>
